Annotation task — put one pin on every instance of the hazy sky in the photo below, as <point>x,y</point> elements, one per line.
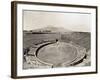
<point>70,21</point>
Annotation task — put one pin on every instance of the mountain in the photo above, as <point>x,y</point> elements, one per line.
<point>51,29</point>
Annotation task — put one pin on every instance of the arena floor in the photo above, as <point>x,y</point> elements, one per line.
<point>57,53</point>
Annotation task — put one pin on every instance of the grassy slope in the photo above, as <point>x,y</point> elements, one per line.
<point>80,38</point>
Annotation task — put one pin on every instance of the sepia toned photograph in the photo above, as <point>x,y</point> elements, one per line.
<point>53,39</point>
<point>56,39</point>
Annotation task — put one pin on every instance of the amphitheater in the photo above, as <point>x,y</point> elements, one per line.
<point>54,53</point>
